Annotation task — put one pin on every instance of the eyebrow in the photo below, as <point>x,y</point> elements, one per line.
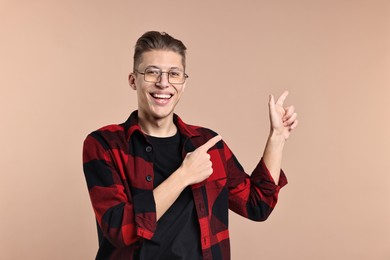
<point>156,67</point>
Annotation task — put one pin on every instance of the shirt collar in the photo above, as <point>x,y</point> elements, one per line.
<point>131,125</point>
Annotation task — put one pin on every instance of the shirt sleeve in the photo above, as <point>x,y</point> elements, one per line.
<point>253,196</point>
<point>121,222</point>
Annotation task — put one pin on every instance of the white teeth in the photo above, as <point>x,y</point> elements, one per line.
<point>165,96</point>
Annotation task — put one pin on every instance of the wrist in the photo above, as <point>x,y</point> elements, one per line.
<point>180,177</point>
<point>276,138</point>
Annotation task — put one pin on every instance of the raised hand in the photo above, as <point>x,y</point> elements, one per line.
<point>197,165</point>
<point>283,119</point>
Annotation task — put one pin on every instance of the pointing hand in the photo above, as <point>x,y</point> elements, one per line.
<point>197,165</point>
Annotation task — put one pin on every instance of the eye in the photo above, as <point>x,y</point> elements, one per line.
<point>176,74</point>
<point>152,72</point>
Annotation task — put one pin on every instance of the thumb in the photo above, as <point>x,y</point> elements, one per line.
<point>271,103</point>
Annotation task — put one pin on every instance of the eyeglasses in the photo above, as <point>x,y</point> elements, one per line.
<point>153,75</point>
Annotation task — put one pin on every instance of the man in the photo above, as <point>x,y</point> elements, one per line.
<point>160,188</point>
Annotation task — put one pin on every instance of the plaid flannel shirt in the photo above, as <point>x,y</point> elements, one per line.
<point>118,167</point>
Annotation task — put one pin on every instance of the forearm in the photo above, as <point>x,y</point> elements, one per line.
<point>273,154</point>
<point>168,191</point>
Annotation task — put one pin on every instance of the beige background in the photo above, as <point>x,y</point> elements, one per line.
<point>64,65</point>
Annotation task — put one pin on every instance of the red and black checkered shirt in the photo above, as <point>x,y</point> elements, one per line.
<point>118,167</point>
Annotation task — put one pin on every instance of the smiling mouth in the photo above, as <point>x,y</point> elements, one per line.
<point>161,96</point>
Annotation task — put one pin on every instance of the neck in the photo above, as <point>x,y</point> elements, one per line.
<point>158,127</point>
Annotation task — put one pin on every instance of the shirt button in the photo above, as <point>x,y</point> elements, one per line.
<point>149,178</point>
<point>148,149</point>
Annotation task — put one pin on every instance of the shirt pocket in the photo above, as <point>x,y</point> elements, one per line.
<point>217,191</point>
<point>218,184</point>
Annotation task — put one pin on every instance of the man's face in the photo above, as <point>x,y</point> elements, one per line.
<point>157,100</point>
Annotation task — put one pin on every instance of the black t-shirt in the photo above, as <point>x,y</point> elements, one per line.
<point>177,235</point>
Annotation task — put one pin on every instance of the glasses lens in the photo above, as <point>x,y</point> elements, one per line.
<point>152,75</point>
<point>176,77</point>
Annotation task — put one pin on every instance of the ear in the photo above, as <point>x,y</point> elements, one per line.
<point>132,81</point>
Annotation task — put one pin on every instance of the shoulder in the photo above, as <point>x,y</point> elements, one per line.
<point>107,136</point>
<point>201,131</point>
<point>207,132</point>
<point>109,131</point>
<point>194,131</point>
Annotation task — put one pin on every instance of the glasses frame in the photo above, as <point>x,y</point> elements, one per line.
<point>159,79</point>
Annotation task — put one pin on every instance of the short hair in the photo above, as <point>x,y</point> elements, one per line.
<point>154,40</point>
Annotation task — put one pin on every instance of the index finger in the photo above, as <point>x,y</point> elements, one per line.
<point>210,143</point>
<point>282,98</point>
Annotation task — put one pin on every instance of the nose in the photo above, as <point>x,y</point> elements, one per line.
<point>164,82</point>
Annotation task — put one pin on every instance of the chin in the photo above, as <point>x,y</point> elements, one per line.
<point>161,114</point>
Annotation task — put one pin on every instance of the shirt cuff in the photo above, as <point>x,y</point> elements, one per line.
<point>145,214</point>
<point>282,177</point>
<point>263,178</point>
